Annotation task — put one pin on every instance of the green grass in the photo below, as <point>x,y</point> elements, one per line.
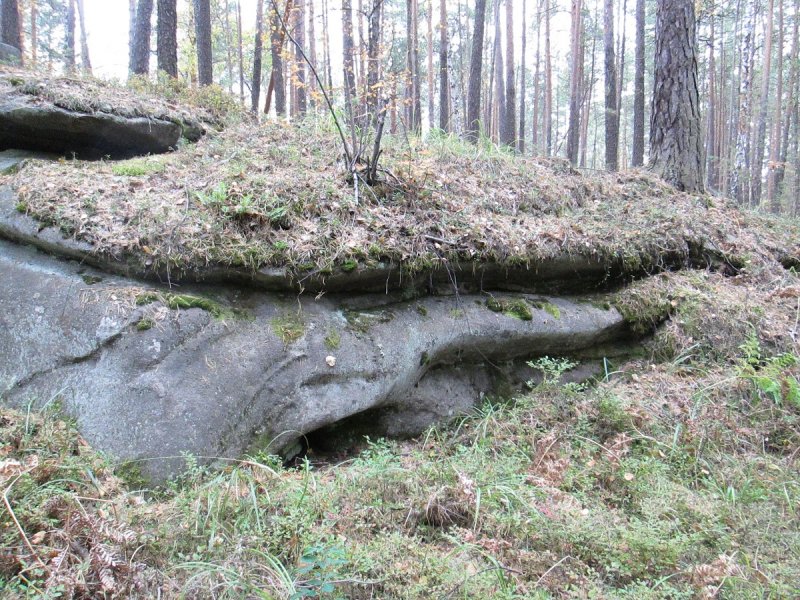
<point>137,167</point>
<point>563,491</point>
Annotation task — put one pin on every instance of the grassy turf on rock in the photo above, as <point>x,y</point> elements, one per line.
<point>274,195</point>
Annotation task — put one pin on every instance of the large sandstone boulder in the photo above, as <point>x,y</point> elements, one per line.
<point>45,127</point>
<point>152,373</point>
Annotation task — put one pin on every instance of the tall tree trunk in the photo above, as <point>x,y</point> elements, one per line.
<point>86,63</point>
<point>414,118</point>
<point>510,115</point>
<point>791,99</point>
<point>258,49</point>
<point>473,124</point>
<point>521,132</point>
<point>132,10</point>
<point>228,46</point>
<point>612,116</point>
<point>241,50</point>
<point>349,74</point>
<point>167,42</point>
<point>202,25</point>
<point>499,82</point>
<point>11,32</point>
<point>775,140</point>
<point>373,60</point>
<point>712,159</point>
<point>34,34</point>
<point>576,77</point>
<point>761,133</point>
<point>277,82</point>
<point>69,38</point>
<point>300,75</point>
<point>740,176</point>
<point>444,85</point>
<point>637,152</point>
<point>547,123</point>
<point>537,86</point>
<point>312,54</point>
<point>326,44</point>
<point>431,88</point>
<point>676,140</point>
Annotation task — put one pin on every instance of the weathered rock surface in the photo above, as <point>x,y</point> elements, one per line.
<point>29,123</point>
<point>146,382</point>
<point>9,55</point>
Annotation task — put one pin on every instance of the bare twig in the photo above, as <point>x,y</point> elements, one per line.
<point>14,517</point>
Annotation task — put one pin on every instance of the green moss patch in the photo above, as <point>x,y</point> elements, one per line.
<point>183,301</point>
<point>137,167</point>
<point>511,307</point>
<point>289,326</point>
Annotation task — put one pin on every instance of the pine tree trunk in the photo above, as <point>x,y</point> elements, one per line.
<point>228,46</point>
<point>711,125</point>
<point>34,34</point>
<point>300,75</point>
<point>326,44</point>
<point>11,32</point>
<point>547,123</point>
<point>202,25</point>
<point>86,63</point>
<point>312,54</point>
<point>676,141</point>
<point>576,76</point>
<point>791,100</point>
<point>537,85</point>
<point>132,10</point>
<point>241,50</point>
<point>499,116</point>
<point>473,125</point>
<point>349,74</point>
<point>775,139</point>
<point>167,40</point>
<point>761,133</point>
<point>373,60</point>
<point>612,116</point>
<point>521,132</point>
<point>431,88</point>
<point>637,151</point>
<point>258,50</point>
<point>444,85</point>
<point>141,38</point>
<point>510,114</point>
<point>69,37</point>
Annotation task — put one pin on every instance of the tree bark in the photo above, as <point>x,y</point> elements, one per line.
<point>431,87</point>
<point>499,82</point>
<point>300,63</point>
<point>637,151</point>
<point>444,85</point>
<point>348,50</point>
<point>241,50</point>
<point>775,141</point>
<point>676,144</point>
<point>312,54</point>
<point>11,32</point>
<point>258,50</point>
<point>612,116</point>
<point>167,42</point>
<point>510,115</point>
<point>761,133</point>
<point>69,38</point>
<point>373,59</point>
<point>521,132</point>
<point>34,34</point>
<point>473,124</point>
<point>576,77</point>
<point>547,122</point>
<point>202,25</point>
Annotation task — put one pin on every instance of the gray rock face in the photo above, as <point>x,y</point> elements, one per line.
<point>40,126</point>
<point>10,55</point>
<point>148,382</point>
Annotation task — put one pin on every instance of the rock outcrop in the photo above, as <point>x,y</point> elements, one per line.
<point>44,127</point>
<point>10,55</point>
<point>151,373</point>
